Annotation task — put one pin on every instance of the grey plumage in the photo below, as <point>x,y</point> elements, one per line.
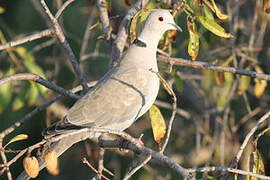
<point>123,94</point>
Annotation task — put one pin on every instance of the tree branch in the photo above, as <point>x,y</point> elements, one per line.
<point>248,136</point>
<point>35,36</point>
<point>40,80</point>
<point>122,35</point>
<point>62,39</point>
<point>231,170</point>
<point>204,65</point>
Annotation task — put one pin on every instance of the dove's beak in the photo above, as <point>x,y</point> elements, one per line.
<point>176,27</point>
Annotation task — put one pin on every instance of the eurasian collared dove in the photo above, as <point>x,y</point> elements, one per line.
<point>123,94</point>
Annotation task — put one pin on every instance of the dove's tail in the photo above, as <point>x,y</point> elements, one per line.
<point>60,147</point>
<point>60,127</point>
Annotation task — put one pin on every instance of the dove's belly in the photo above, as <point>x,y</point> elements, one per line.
<point>153,88</point>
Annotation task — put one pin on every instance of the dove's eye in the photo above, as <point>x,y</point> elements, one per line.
<point>160,18</point>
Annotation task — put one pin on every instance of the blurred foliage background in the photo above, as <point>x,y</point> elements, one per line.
<point>216,110</point>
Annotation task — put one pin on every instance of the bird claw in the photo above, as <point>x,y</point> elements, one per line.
<point>123,143</point>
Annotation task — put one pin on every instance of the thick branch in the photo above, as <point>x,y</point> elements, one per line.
<point>204,65</point>
<point>136,147</point>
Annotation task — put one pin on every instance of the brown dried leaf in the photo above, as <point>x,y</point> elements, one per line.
<point>51,161</point>
<point>31,166</point>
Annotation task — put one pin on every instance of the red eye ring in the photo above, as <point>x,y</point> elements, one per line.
<point>160,18</point>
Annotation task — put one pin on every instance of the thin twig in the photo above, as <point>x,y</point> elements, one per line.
<point>93,169</point>
<point>62,8</point>
<point>62,39</point>
<point>40,80</point>
<point>203,65</point>
<point>248,136</point>
<point>231,170</point>
<point>122,35</point>
<point>36,110</point>
<point>32,37</point>
<point>104,18</point>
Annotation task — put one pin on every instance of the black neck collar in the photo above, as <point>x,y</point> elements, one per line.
<point>139,43</point>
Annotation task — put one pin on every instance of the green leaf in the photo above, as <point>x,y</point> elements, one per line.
<point>260,85</point>
<point>208,80</point>
<point>2,10</point>
<point>178,81</point>
<point>223,97</point>
<point>158,124</point>
<point>19,137</point>
<point>207,13</point>
<point>6,91</point>
<point>33,94</point>
<point>32,67</point>
<point>18,102</point>
<point>256,163</point>
<point>193,44</point>
<point>214,27</point>
<point>244,82</point>
<point>219,14</point>
<point>151,4</point>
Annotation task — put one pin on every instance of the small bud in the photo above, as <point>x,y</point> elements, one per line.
<point>31,166</point>
<point>52,162</point>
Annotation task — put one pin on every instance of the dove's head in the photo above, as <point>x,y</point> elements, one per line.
<point>156,24</point>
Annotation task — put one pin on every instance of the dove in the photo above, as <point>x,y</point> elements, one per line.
<point>123,94</point>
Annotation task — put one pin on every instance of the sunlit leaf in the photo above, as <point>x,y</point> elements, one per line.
<point>266,6</point>
<point>178,81</point>
<point>244,82</point>
<point>256,164</point>
<point>193,44</point>
<point>2,10</point>
<point>260,85</point>
<point>208,80</point>
<point>33,94</point>
<point>132,27</point>
<point>208,13</point>
<point>219,77</point>
<point>214,27</point>
<point>19,137</point>
<point>158,124</point>
<point>223,97</point>
<point>218,12</point>
<point>32,67</point>
<point>209,5</point>
<point>18,102</point>
<point>6,91</point>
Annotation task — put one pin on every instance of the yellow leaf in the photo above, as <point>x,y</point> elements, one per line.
<point>158,124</point>
<point>255,163</point>
<point>193,45</point>
<point>260,85</point>
<point>244,82</point>
<point>219,14</point>
<point>214,27</point>
<point>19,137</point>
<point>2,10</point>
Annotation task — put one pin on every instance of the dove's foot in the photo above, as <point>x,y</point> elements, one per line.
<point>123,143</point>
